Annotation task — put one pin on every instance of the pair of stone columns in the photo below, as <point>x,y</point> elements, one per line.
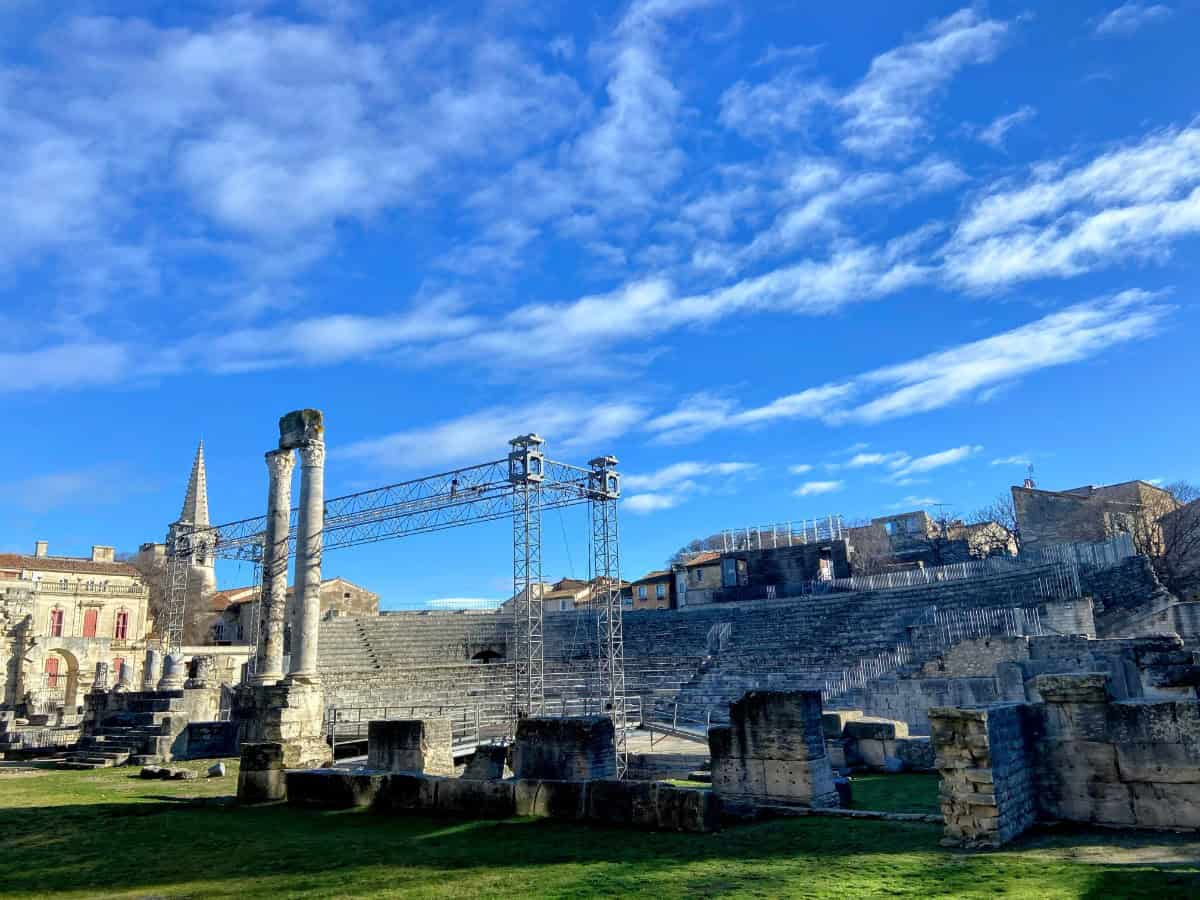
<point>302,430</point>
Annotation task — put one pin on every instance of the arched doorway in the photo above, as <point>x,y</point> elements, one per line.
<point>60,681</point>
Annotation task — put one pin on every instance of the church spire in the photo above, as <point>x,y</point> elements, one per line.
<point>195,504</point>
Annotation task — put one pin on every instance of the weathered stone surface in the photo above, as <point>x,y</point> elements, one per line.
<point>623,803</point>
<point>1075,687</point>
<point>411,745</point>
<point>876,729</point>
<point>833,721</point>
<point>564,800</point>
<point>686,809</point>
<point>216,770</point>
<point>261,777</point>
<point>487,763</point>
<point>332,788</point>
<point>184,775</point>
<point>574,748</point>
<point>406,791</point>
<point>916,753</point>
<point>476,799</point>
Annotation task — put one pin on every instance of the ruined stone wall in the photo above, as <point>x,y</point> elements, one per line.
<point>988,789</point>
<point>976,658</point>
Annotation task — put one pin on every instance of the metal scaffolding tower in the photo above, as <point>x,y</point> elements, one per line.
<point>518,487</point>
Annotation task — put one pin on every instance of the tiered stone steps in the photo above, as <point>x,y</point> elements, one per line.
<point>139,736</point>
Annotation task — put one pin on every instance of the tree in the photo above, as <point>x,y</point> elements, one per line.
<point>1167,531</point>
<point>712,542</point>
<point>153,568</point>
<point>993,529</point>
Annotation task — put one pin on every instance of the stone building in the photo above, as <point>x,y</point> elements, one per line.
<point>913,539</point>
<point>654,590</point>
<point>233,608</point>
<point>59,616</point>
<point>1090,513</point>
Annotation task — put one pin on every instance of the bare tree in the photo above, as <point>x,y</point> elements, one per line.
<point>1167,531</point>
<point>153,569</point>
<point>699,545</point>
<point>993,529</point>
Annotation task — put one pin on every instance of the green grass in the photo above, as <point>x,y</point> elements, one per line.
<point>909,793</point>
<point>110,834</point>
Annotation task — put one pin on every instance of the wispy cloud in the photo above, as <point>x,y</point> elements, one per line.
<point>930,382</point>
<point>913,502</point>
<point>800,469</point>
<point>922,464</point>
<point>1129,17</point>
<point>566,422</point>
<point>669,486</point>
<point>814,488</point>
<point>887,108</point>
<point>1018,460</point>
<point>994,133</point>
<point>85,487</point>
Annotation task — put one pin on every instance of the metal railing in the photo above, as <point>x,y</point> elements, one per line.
<point>1085,554</point>
<point>680,725</point>
<point>1061,580</point>
<point>782,534</point>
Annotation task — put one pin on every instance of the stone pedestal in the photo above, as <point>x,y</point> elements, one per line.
<point>261,777</point>
<point>150,670</point>
<point>288,714</point>
<point>100,681</point>
<point>488,763</point>
<point>203,672</point>
<point>174,673</point>
<point>576,748</point>
<point>124,679</point>
<point>773,751</point>
<point>411,745</point>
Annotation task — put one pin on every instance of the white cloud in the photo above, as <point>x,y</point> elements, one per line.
<point>67,365</point>
<point>813,488</point>
<point>994,134</point>
<point>1012,461</point>
<point>76,488</point>
<point>887,108</point>
<point>922,464</point>
<point>674,475</point>
<point>642,504</point>
<point>1132,201</point>
<point>930,382</point>
<point>772,109</point>
<point>800,469</point>
<point>565,422</point>
<point>859,460</point>
<point>669,486</point>
<point>1129,17</point>
<point>912,502</point>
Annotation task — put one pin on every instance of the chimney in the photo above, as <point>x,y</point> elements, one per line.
<point>103,554</point>
<point>40,549</point>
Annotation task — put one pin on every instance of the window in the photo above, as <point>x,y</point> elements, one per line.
<point>91,585</point>
<point>660,591</point>
<point>51,671</point>
<point>116,668</point>
<point>62,584</point>
<point>56,623</point>
<point>697,575</point>
<point>219,631</point>
<point>641,592</point>
<point>121,631</point>
<point>89,622</point>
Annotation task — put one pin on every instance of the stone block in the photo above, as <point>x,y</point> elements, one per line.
<point>574,748</point>
<point>1073,687</point>
<point>1161,762</point>
<point>686,809</point>
<point>261,776</point>
<point>1148,720</point>
<point>875,753</point>
<point>476,799</point>
<point>834,720</point>
<point>876,729</point>
<point>411,745</point>
<point>629,803</point>
<point>1078,760</point>
<point>1166,805</point>
<point>332,788</point>
<point>399,791</point>
<point>739,777</point>
<point>563,800</point>
<point>916,753</point>
<point>1089,801</point>
<point>777,725</point>
<point>487,763</point>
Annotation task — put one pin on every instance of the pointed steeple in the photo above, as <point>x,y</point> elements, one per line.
<point>195,504</point>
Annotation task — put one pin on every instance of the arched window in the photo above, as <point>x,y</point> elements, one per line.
<point>51,672</point>
<point>91,585</point>
<point>121,631</point>
<point>56,624</point>
<point>89,622</point>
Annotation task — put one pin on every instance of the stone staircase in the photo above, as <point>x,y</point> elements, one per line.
<point>140,736</point>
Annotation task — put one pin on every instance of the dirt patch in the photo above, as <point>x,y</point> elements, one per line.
<point>1118,848</point>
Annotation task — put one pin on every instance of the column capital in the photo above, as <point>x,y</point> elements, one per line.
<point>312,453</point>
<point>280,463</point>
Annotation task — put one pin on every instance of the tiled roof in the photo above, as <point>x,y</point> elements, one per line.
<point>708,557</point>
<point>652,576</point>
<point>66,564</point>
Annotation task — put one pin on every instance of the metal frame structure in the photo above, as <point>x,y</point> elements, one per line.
<point>518,487</point>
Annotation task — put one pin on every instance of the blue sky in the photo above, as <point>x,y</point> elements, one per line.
<point>782,261</point>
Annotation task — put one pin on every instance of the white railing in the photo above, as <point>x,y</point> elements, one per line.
<point>782,534</point>
<point>1060,581</point>
<point>1088,555</point>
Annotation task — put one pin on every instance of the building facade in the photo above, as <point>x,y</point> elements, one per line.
<point>59,616</point>
<point>655,590</point>
<point>1089,514</point>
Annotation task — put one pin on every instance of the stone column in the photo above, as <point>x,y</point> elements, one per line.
<point>268,667</point>
<point>174,673</point>
<point>309,540</point>
<point>100,682</point>
<point>150,673</point>
<point>203,668</point>
<point>124,679</point>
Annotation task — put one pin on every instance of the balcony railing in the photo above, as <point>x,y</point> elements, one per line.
<point>81,588</point>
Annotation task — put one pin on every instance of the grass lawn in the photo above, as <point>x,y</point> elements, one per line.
<point>111,834</point>
<point>912,792</point>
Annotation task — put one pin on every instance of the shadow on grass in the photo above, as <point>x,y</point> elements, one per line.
<point>180,847</point>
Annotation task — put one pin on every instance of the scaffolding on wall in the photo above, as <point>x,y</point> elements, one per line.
<point>518,487</point>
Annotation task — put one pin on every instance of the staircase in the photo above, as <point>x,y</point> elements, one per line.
<point>141,735</point>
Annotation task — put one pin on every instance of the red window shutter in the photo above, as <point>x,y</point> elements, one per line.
<point>56,623</point>
<point>52,672</point>
<point>122,626</point>
<point>116,672</point>
<point>89,622</point>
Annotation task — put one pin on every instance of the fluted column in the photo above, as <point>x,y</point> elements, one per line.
<point>309,541</point>
<point>268,667</point>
